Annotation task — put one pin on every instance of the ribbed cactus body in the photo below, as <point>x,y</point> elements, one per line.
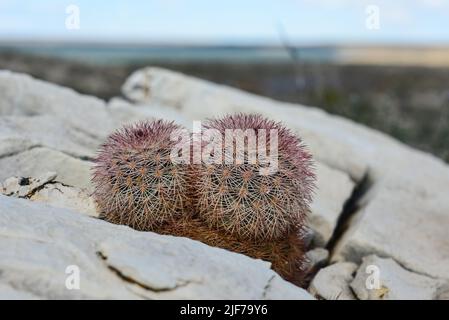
<point>238,199</point>
<point>135,181</point>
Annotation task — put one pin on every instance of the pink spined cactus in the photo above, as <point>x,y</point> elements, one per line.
<point>238,200</point>
<point>136,183</point>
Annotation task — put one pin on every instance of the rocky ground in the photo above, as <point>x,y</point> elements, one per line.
<point>410,103</point>
<point>381,209</point>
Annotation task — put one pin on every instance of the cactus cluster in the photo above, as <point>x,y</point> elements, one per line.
<point>227,205</point>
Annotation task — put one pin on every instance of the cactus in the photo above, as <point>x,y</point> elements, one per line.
<point>135,181</point>
<point>229,205</point>
<point>238,200</point>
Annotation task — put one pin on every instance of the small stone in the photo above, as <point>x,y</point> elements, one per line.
<point>24,186</point>
<point>332,282</point>
<point>318,257</point>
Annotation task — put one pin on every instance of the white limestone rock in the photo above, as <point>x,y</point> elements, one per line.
<point>10,146</point>
<point>62,196</point>
<point>332,282</point>
<point>21,187</point>
<point>32,163</point>
<point>395,283</point>
<point>45,189</point>
<point>403,215</point>
<point>124,112</point>
<point>34,113</point>
<point>333,189</point>
<point>116,262</point>
<point>9,293</point>
<point>19,133</point>
<point>23,95</point>
<point>404,220</point>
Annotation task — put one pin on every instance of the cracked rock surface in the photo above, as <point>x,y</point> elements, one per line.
<point>118,262</point>
<point>376,198</point>
<point>22,187</point>
<point>46,189</point>
<point>34,162</point>
<point>62,196</point>
<point>395,282</point>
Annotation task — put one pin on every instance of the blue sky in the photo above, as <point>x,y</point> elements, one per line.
<point>230,21</point>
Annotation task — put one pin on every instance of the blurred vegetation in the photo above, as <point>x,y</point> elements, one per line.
<point>409,103</point>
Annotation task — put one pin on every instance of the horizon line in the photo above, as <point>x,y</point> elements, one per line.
<point>222,44</point>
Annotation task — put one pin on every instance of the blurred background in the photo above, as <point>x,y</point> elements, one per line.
<point>382,63</point>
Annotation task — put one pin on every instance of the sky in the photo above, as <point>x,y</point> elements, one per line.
<point>303,22</point>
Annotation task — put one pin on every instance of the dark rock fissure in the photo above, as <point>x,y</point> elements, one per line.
<point>72,155</point>
<point>42,186</point>
<point>11,154</point>
<point>267,286</point>
<point>350,207</point>
<point>128,279</point>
